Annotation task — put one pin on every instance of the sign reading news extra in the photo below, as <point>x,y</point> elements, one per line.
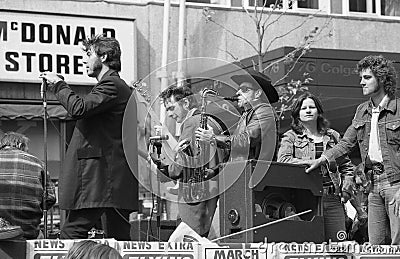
<point>158,250</point>
<point>34,42</point>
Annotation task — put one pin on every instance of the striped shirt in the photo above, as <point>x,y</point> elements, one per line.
<point>21,190</point>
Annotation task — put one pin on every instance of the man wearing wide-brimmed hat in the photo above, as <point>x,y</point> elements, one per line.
<point>255,134</point>
<point>256,131</point>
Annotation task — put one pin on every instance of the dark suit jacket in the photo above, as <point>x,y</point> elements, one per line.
<point>198,216</point>
<point>95,171</point>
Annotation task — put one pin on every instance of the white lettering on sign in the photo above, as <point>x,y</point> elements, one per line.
<point>31,43</point>
<point>176,246</point>
<point>130,245</point>
<point>49,244</point>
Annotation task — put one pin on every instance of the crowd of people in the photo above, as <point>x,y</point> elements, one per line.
<point>96,183</point>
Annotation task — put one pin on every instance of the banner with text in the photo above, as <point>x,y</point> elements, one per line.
<point>58,248</point>
<point>31,43</point>
<point>153,250</point>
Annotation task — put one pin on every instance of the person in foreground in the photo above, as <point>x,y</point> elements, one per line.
<point>88,249</point>
<point>96,178</point>
<point>22,185</point>
<point>376,129</point>
<point>308,138</point>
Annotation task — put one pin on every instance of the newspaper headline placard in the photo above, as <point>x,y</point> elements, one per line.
<point>236,251</point>
<point>57,249</point>
<point>159,250</point>
<point>334,250</point>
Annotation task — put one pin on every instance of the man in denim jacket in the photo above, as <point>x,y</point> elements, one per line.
<point>376,129</point>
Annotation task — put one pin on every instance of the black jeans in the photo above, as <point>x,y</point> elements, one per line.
<point>78,223</point>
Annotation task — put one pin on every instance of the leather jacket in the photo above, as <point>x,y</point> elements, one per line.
<point>255,134</point>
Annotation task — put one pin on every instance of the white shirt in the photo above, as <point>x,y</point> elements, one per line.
<point>374,151</point>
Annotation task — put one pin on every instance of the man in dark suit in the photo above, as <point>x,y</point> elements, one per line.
<point>96,178</point>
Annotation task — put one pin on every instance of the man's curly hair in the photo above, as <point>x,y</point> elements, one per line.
<point>105,45</point>
<point>180,94</point>
<point>382,69</point>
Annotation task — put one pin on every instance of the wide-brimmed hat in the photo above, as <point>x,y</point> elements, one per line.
<point>255,77</point>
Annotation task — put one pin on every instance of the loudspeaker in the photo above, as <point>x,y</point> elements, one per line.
<point>146,230</point>
<point>281,190</point>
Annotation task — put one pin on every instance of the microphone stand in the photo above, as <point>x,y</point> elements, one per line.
<point>43,90</point>
<point>158,146</point>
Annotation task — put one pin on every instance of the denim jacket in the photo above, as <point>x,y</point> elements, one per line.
<point>295,148</point>
<point>389,136</point>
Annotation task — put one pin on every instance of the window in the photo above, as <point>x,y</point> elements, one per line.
<point>375,7</point>
<point>358,6</point>
<point>390,7</point>
<point>346,7</point>
<point>311,4</point>
<point>268,3</point>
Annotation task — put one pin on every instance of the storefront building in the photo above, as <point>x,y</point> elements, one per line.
<point>44,35</point>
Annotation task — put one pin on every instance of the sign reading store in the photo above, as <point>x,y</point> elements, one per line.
<point>34,42</point>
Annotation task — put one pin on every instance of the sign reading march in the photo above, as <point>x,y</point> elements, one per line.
<point>31,43</point>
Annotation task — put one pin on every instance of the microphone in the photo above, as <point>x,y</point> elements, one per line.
<point>43,87</point>
<point>159,138</point>
<point>234,98</point>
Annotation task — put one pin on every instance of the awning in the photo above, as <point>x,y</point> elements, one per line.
<point>31,111</point>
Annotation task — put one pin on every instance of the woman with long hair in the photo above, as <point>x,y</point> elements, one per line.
<point>308,138</point>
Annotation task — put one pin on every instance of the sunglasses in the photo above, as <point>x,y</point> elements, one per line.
<point>244,89</point>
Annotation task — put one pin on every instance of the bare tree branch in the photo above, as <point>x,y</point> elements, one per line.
<point>288,32</point>
<point>281,59</point>
<point>235,35</point>
<point>291,69</point>
<point>232,56</point>
<point>306,45</point>
<point>274,21</point>
<point>249,14</point>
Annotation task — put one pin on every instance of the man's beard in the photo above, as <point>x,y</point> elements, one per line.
<point>97,66</point>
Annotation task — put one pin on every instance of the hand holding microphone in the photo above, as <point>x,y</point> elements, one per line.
<point>49,78</point>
